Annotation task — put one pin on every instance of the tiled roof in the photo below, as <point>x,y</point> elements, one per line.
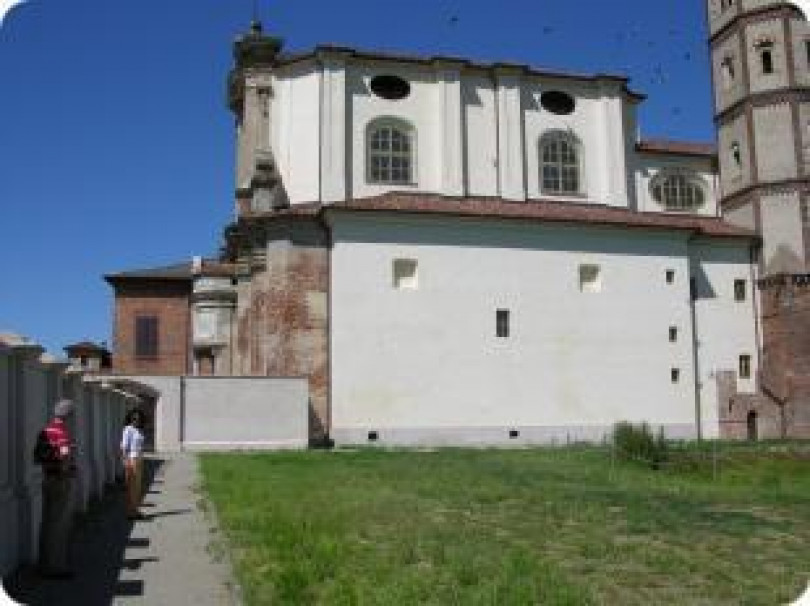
<point>548,210</point>
<point>666,146</point>
<point>84,346</point>
<point>178,271</point>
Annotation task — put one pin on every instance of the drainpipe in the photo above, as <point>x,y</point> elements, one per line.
<point>695,354</point>
<point>329,245</point>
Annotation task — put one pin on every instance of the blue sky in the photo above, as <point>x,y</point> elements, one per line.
<point>116,146</point>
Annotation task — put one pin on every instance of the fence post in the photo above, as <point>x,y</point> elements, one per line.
<point>91,388</point>
<point>8,500</point>
<point>73,388</point>
<point>31,410</point>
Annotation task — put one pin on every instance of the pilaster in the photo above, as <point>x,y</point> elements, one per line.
<point>451,132</point>
<point>511,160</point>
<point>333,124</point>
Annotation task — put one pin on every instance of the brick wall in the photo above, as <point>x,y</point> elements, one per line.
<point>783,405</point>
<point>282,325</point>
<point>169,302</point>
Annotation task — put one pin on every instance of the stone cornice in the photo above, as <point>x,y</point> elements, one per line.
<point>766,13</point>
<point>782,280</point>
<point>786,186</point>
<point>762,99</point>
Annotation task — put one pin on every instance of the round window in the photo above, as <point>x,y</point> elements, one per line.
<point>557,102</point>
<point>390,87</point>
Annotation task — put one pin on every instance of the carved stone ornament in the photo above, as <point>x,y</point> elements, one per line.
<point>267,192</point>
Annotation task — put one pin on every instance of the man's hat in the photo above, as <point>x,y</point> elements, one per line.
<point>63,408</point>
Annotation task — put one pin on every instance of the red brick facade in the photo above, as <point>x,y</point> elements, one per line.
<point>168,301</point>
<point>282,325</point>
<point>782,406</point>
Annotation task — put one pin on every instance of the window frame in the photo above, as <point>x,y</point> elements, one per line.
<point>502,323</point>
<point>766,60</point>
<point>728,72</point>
<point>403,127</point>
<point>688,189</point>
<point>744,366</point>
<point>568,138</point>
<point>147,336</point>
<point>740,290</point>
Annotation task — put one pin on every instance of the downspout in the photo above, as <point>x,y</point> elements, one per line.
<point>695,346</point>
<point>327,230</point>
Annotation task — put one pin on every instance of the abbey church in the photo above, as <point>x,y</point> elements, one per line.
<point>455,252</point>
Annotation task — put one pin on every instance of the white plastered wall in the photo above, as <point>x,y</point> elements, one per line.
<point>425,365</point>
<point>295,129</point>
<point>726,327</point>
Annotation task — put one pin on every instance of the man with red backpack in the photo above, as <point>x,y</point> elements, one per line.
<point>54,451</point>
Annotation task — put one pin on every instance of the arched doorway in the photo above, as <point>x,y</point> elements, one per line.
<point>751,422</point>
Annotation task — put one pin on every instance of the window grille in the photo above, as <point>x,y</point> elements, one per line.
<point>560,164</point>
<point>678,192</point>
<point>390,148</point>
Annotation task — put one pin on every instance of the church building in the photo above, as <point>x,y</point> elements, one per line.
<point>455,252</point>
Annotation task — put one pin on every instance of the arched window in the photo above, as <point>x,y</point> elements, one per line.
<point>681,192</point>
<point>560,163</point>
<point>390,151</point>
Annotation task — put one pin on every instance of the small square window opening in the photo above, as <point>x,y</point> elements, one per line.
<point>405,274</point>
<point>739,290</point>
<point>675,374</point>
<point>670,276</point>
<point>590,278</point>
<point>502,323</point>
<point>673,334</point>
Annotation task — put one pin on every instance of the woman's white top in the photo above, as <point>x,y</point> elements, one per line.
<point>132,442</point>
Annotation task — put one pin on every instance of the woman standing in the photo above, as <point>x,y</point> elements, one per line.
<point>132,454</point>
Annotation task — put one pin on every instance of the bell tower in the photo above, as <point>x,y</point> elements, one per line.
<point>760,51</point>
<point>250,96</point>
<point>760,62</point>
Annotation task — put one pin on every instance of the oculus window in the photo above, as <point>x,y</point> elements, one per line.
<point>390,150</point>
<point>558,102</point>
<point>390,87</point>
<point>560,163</point>
<point>678,192</point>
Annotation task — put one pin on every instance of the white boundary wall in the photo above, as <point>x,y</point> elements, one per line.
<point>30,385</point>
<point>227,413</point>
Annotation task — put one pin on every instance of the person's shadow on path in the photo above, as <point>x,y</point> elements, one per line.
<point>100,540</point>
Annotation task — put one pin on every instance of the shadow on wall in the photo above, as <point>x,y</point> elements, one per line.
<point>318,434</point>
<point>100,539</point>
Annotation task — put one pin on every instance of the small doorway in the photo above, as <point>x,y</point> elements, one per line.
<point>751,422</point>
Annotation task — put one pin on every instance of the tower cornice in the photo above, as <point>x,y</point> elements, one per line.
<point>757,15</point>
<point>762,99</point>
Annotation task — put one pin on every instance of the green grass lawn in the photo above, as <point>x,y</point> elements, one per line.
<point>546,526</point>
